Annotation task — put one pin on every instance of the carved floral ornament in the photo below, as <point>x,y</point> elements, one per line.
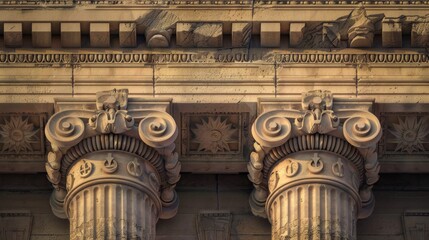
<point>17,135</point>
<point>349,134</point>
<point>409,134</point>
<point>214,135</point>
<point>147,134</point>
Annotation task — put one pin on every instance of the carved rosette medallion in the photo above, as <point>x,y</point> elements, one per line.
<point>214,135</point>
<point>17,135</point>
<point>113,160</point>
<point>313,168</point>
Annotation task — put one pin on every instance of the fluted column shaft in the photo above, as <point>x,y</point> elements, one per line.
<point>313,195</point>
<point>112,195</point>
<point>112,211</point>
<point>313,211</point>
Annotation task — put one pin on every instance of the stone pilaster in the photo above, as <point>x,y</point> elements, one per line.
<point>313,168</point>
<point>114,169</point>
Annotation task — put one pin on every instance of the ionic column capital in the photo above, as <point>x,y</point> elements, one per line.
<point>290,142</point>
<point>109,143</point>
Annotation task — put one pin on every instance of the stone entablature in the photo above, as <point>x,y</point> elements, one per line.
<point>36,3</point>
<point>113,166</point>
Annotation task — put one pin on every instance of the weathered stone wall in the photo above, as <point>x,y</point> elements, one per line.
<point>395,194</point>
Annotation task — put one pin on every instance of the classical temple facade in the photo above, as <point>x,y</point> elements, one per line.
<point>214,119</point>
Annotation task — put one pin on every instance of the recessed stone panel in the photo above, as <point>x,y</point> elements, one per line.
<point>127,35</point>
<point>211,134</point>
<point>270,34</point>
<point>99,35</point>
<point>15,224</point>
<point>199,34</point>
<point>13,34</point>
<point>214,225</point>
<point>41,35</point>
<point>22,138</point>
<point>70,35</point>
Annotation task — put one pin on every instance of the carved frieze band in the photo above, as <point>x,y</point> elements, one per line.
<point>26,3</point>
<point>231,57</point>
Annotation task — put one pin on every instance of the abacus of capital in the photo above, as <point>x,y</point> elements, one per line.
<point>313,168</point>
<point>114,168</point>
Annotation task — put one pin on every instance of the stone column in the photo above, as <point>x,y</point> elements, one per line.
<point>114,170</point>
<point>313,169</point>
